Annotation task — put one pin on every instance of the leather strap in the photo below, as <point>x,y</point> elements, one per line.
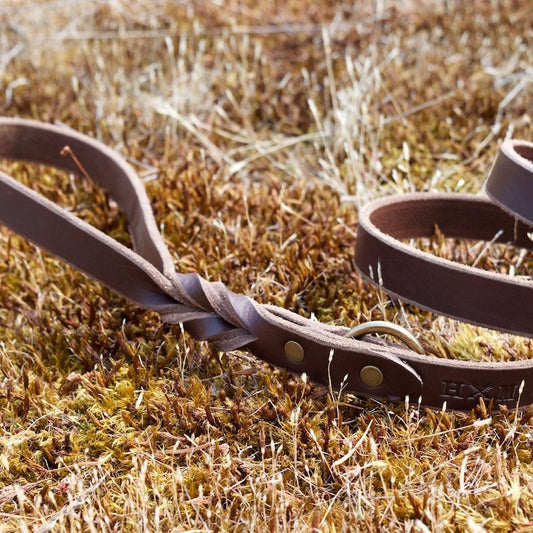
<point>210,311</point>
<point>459,291</point>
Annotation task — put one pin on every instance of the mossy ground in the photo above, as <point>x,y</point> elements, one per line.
<point>259,129</point>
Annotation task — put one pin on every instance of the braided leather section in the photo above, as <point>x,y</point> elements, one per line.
<point>210,311</point>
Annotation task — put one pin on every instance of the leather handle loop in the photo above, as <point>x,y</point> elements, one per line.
<point>144,275</point>
<point>137,276</point>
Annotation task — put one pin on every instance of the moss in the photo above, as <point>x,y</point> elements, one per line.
<point>299,114</point>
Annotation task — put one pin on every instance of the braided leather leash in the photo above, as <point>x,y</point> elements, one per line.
<point>210,311</point>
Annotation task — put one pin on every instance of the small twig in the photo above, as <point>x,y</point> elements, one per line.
<point>67,151</point>
<point>421,107</point>
<point>487,246</point>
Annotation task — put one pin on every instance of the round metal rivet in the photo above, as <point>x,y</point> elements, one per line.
<point>294,351</point>
<point>371,376</point>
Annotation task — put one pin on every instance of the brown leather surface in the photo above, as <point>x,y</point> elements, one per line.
<point>210,311</point>
<point>459,291</point>
<point>485,298</point>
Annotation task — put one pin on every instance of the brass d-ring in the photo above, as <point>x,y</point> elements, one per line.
<point>388,328</point>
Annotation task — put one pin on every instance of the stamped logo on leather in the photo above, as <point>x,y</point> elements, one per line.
<point>458,390</point>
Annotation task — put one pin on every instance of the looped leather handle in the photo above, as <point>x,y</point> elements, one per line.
<point>142,276</point>
<point>210,311</point>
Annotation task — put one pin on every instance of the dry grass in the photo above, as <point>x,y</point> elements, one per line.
<point>259,129</point>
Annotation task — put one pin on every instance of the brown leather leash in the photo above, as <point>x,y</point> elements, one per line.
<point>329,355</point>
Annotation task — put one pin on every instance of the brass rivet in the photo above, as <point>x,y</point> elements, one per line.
<point>294,351</point>
<point>371,376</point>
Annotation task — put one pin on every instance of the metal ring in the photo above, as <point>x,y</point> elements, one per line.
<point>388,328</point>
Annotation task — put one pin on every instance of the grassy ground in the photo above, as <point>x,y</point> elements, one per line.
<point>259,128</point>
